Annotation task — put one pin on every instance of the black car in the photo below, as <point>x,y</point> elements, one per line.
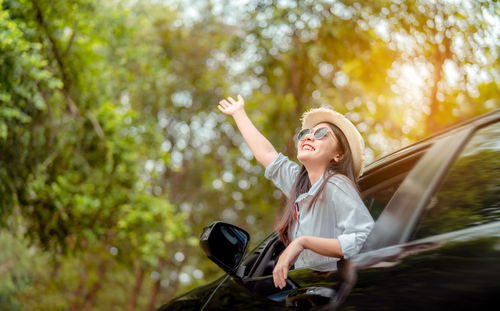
<point>435,244</point>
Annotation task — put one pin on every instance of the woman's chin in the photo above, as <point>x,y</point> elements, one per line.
<point>304,157</point>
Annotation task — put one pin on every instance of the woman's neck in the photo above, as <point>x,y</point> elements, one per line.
<point>314,173</point>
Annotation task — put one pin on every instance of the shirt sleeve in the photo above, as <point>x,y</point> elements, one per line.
<point>282,172</point>
<point>353,219</point>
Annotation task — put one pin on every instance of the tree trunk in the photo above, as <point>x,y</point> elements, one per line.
<point>156,288</point>
<point>439,59</point>
<point>173,286</point>
<point>91,297</point>
<point>75,306</point>
<point>139,277</point>
<point>171,291</point>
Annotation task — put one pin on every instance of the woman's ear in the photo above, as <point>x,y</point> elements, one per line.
<point>338,157</point>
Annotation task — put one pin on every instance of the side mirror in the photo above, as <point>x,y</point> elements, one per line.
<point>225,244</point>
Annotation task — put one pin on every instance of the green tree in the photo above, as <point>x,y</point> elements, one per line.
<point>74,154</point>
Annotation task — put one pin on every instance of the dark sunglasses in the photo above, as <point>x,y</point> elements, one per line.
<point>318,134</point>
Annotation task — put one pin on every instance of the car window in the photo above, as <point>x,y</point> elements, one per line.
<point>378,188</point>
<point>378,199</point>
<point>468,195</point>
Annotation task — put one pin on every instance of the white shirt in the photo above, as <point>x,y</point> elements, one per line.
<point>338,213</point>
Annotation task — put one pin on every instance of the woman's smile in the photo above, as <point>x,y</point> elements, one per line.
<point>307,146</point>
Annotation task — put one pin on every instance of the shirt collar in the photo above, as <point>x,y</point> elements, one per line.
<point>312,191</point>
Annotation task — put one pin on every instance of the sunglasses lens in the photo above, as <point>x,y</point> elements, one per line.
<point>320,133</point>
<point>303,133</point>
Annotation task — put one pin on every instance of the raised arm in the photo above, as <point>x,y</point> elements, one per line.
<point>262,149</point>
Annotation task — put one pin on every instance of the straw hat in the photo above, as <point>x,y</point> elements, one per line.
<point>354,139</point>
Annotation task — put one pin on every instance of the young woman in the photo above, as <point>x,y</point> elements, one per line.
<point>325,218</point>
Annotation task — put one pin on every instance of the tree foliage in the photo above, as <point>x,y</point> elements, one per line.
<point>114,157</point>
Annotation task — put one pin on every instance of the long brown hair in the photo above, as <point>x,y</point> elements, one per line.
<point>302,184</point>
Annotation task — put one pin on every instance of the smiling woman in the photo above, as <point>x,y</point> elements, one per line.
<point>324,219</point>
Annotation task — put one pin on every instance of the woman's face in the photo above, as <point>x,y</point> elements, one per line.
<point>318,150</point>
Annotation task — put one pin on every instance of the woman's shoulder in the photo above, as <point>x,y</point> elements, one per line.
<point>341,182</point>
<point>282,166</point>
<point>281,160</point>
<point>339,179</point>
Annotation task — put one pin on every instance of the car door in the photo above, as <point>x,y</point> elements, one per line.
<point>448,255</point>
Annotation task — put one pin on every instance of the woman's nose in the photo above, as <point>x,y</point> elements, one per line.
<point>309,136</point>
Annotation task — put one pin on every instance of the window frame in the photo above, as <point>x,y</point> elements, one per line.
<point>380,178</point>
<point>422,212</point>
<point>407,205</point>
<point>403,210</point>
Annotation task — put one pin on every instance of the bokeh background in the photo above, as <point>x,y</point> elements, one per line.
<point>113,156</point>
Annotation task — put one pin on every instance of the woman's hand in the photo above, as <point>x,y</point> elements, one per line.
<point>231,106</point>
<point>286,260</point>
<point>262,149</point>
